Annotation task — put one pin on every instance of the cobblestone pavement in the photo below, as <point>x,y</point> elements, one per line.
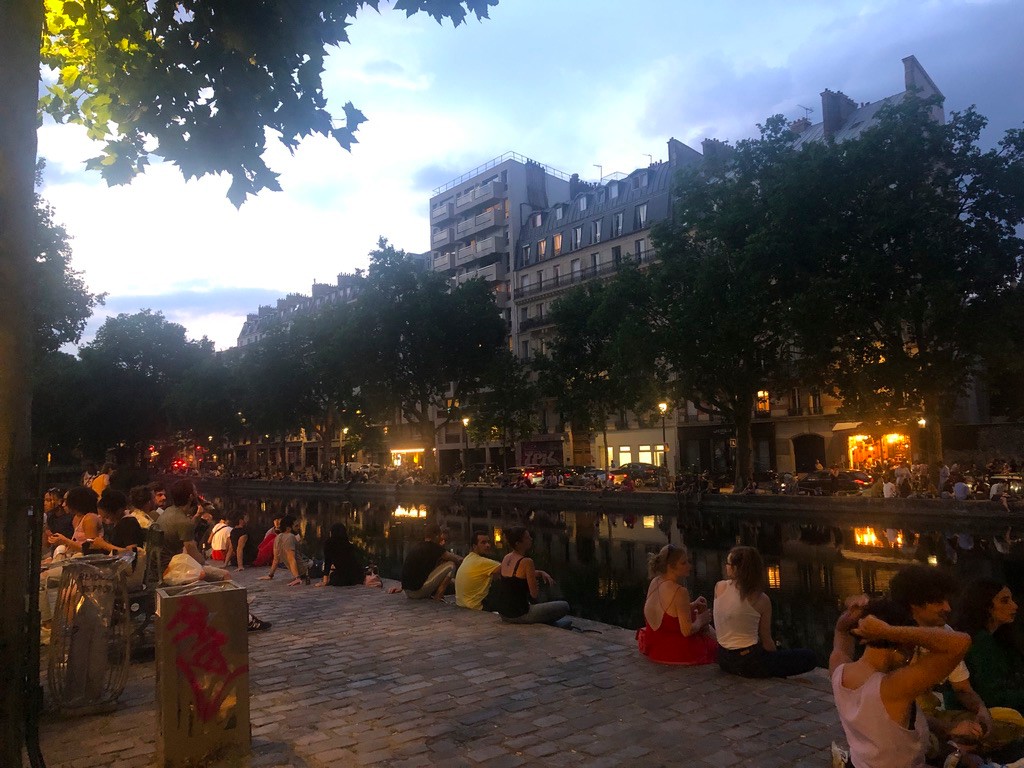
<point>355,677</point>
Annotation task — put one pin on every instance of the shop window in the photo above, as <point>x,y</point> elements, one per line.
<point>644,455</point>
<point>625,454</point>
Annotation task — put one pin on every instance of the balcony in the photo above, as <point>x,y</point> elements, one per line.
<point>534,322</point>
<point>481,222</point>
<point>580,276</point>
<point>481,249</point>
<point>442,237</point>
<point>492,273</point>
<point>444,262</point>
<point>491,245</point>
<point>480,196</point>
<point>442,212</point>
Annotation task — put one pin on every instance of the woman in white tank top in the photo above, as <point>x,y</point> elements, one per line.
<point>743,623</point>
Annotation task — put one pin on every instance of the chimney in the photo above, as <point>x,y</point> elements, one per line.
<point>716,153</point>
<point>800,125</point>
<point>836,108</point>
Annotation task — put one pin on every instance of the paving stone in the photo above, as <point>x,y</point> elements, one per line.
<point>356,677</point>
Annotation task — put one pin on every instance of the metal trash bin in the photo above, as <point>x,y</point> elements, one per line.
<point>89,637</point>
<point>202,674</point>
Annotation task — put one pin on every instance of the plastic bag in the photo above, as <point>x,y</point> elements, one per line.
<point>183,569</point>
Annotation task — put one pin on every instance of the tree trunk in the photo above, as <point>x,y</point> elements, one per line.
<point>19,75</point>
<point>744,444</point>
<point>933,425</point>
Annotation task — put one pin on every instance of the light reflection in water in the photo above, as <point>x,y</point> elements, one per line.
<point>600,560</point>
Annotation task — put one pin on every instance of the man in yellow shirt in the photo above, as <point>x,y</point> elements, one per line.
<point>476,574</point>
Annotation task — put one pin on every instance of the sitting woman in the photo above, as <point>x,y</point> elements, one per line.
<point>875,695</point>
<point>519,588</point>
<point>996,659</point>
<point>265,552</point>
<point>342,566</point>
<point>677,630</point>
<point>743,623</point>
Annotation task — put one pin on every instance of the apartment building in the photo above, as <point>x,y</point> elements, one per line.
<point>267,318</point>
<point>475,219</point>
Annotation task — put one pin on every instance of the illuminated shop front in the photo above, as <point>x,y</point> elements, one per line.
<point>407,457</point>
<point>864,451</point>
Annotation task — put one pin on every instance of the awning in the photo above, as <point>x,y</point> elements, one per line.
<point>843,425</point>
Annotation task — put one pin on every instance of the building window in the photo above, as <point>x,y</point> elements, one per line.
<point>764,403</point>
<point>574,270</point>
<point>524,282</point>
<point>540,310</point>
<point>794,401</point>
<point>644,455</point>
<point>595,231</point>
<point>538,219</point>
<point>524,349</point>
<point>613,191</point>
<point>542,248</point>
<point>641,249</point>
<point>524,314</point>
<point>617,224</point>
<point>625,454</point>
<point>555,272</point>
<point>577,237</point>
<point>616,255</point>
<point>558,213</point>
<point>816,401</point>
<point>526,254</point>
<point>595,261</point>
<point>557,244</point>
<point>540,278</point>
<point>640,216</point>
<point>583,203</point>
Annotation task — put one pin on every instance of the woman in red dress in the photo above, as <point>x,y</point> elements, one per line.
<point>676,629</point>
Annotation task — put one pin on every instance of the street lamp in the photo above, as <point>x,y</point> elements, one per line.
<point>465,440</point>
<point>663,407</point>
<point>344,464</point>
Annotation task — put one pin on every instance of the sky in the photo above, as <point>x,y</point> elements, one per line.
<point>574,84</point>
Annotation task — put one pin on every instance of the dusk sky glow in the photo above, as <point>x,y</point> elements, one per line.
<point>570,83</point>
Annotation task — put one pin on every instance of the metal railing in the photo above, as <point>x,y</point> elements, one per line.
<point>582,275</point>
<point>498,161</point>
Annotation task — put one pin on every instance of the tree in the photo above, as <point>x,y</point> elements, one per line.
<point>722,284</point>
<point>925,253</point>
<point>506,406</point>
<point>197,83</point>
<point>131,371</point>
<point>61,301</point>
<point>601,359</point>
<point>420,343</point>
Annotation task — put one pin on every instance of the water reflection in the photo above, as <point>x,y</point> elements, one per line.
<point>600,560</point>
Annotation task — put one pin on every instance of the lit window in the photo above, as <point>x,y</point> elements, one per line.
<point>557,244</point>
<point>542,248</point>
<point>764,402</point>
<point>644,455</point>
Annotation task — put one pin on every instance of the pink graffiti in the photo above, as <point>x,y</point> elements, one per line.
<point>201,658</point>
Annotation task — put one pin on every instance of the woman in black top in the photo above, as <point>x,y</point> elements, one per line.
<point>342,565</point>
<point>519,588</point>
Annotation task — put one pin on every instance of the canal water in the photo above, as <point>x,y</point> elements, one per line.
<point>600,560</point>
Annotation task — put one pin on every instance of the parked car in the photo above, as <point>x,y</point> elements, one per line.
<point>643,473</point>
<point>578,475</point>
<point>534,473</point>
<point>480,473</point>
<point>819,483</point>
